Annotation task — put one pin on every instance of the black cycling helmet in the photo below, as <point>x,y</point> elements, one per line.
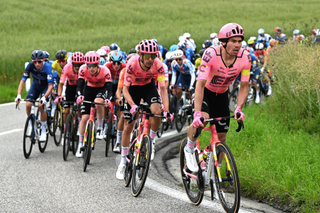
<point>132,51</point>
<point>201,52</point>
<point>207,43</point>
<point>61,54</point>
<point>37,54</point>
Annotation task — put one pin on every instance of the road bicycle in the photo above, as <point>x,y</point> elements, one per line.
<point>182,114</point>
<point>70,139</point>
<point>111,130</point>
<point>32,131</point>
<point>217,170</point>
<point>89,138</point>
<point>139,152</point>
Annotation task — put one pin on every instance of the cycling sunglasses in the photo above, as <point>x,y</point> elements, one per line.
<point>147,56</point>
<point>92,65</point>
<point>116,62</point>
<point>62,61</point>
<point>76,65</point>
<point>37,62</point>
<point>178,59</point>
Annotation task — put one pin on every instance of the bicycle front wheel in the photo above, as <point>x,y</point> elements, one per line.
<point>180,119</point>
<point>57,126</point>
<point>67,137</point>
<point>141,168</point>
<point>229,187</point>
<point>108,134</point>
<point>130,156</point>
<point>87,146</point>
<point>28,136</point>
<point>191,185</point>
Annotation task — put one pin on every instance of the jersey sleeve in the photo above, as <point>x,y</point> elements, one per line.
<point>81,72</point>
<point>49,74</point>
<point>26,73</point>
<point>121,79</point>
<point>161,74</point>
<point>245,73</point>
<point>205,66</point>
<point>128,74</point>
<point>63,75</point>
<point>107,75</point>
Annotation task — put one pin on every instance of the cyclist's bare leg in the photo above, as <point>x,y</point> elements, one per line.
<point>100,113</point>
<point>179,93</point>
<point>121,121</point>
<point>28,107</point>
<point>155,121</point>
<point>82,125</point>
<point>43,114</point>
<point>255,85</point>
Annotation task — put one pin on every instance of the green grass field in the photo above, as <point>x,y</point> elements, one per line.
<point>277,163</point>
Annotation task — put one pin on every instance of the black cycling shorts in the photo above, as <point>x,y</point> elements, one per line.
<point>148,93</point>
<point>91,93</point>
<point>217,105</point>
<point>71,92</point>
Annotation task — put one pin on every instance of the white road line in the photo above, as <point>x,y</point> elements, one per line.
<point>8,104</point>
<point>154,185</point>
<point>10,131</point>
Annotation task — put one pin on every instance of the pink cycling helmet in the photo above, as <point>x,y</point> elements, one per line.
<point>92,57</point>
<point>106,48</point>
<point>148,47</point>
<point>230,30</point>
<point>77,57</point>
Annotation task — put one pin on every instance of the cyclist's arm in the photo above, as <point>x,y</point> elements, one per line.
<point>48,92</point>
<point>60,88</point>
<point>164,96</point>
<point>127,95</point>
<point>243,93</point>
<point>198,97</point>
<point>80,85</point>
<point>174,76</point>
<point>21,86</point>
<point>192,73</point>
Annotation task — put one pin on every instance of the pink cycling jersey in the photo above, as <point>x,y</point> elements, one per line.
<point>67,73</point>
<point>217,75</point>
<point>98,80</point>
<point>135,75</point>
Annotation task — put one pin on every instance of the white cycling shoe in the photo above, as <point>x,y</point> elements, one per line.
<point>120,171</point>
<point>257,99</point>
<point>191,160</point>
<point>79,154</point>
<point>43,137</point>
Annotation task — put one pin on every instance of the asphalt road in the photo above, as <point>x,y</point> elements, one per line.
<point>47,183</point>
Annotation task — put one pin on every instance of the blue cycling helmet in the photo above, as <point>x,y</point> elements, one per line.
<point>102,61</point>
<point>114,46</point>
<point>181,46</point>
<point>47,55</point>
<point>116,56</point>
<point>37,54</point>
<point>155,40</point>
<point>261,40</point>
<point>173,47</point>
<point>207,43</point>
<point>296,32</point>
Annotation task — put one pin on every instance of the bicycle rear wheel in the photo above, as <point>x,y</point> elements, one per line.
<point>67,137</point>
<point>28,136</point>
<point>161,128</point>
<point>87,146</point>
<point>233,100</point>
<point>130,156</point>
<point>191,186</point>
<point>57,126</point>
<point>49,118</point>
<point>108,134</point>
<point>229,187</point>
<point>179,115</point>
<point>141,168</point>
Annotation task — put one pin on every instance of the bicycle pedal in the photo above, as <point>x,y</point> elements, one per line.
<point>82,149</point>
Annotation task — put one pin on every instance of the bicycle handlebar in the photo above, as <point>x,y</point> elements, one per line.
<point>143,107</point>
<point>199,129</point>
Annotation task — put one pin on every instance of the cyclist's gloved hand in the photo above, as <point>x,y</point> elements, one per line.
<point>43,100</point>
<point>80,99</point>
<point>108,103</point>
<point>18,99</point>
<point>196,120</point>
<point>168,115</point>
<point>58,99</point>
<point>133,109</point>
<point>242,115</point>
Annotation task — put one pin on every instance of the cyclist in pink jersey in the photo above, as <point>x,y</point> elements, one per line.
<point>98,88</point>
<point>139,84</point>
<point>219,68</point>
<point>70,73</point>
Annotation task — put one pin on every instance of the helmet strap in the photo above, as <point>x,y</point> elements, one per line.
<point>225,48</point>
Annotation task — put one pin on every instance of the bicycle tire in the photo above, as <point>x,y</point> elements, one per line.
<point>57,127</point>
<point>139,176</point>
<point>67,137</point>
<point>87,146</point>
<point>160,130</point>
<point>179,119</point>
<point>108,134</point>
<point>75,137</point>
<point>41,144</point>
<point>191,186</point>
<point>230,184</point>
<point>114,133</point>
<point>49,118</point>
<point>233,100</point>
<point>27,144</point>
<point>130,155</point>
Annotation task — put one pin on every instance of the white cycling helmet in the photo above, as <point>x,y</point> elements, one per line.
<point>177,54</point>
<point>101,52</point>
<point>216,42</point>
<point>296,32</point>
<point>317,32</point>
<point>244,44</point>
<point>213,35</point>
<point>182,39</point>
<point>259,46</point>
<point>169,55</point>
<point>187,35</point>
<point>253,38</point>
<point>261,31</point>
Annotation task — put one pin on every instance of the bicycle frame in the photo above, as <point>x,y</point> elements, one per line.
<point>144,123</point>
